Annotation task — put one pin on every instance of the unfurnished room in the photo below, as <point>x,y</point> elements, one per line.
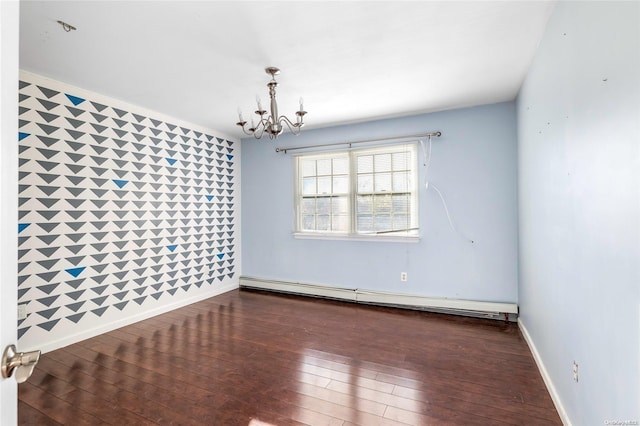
<point>263,213</point>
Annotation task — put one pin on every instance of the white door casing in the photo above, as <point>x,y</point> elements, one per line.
<point>9,64</point>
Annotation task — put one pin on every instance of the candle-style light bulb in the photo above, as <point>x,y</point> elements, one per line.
<point>301,104</point>
<point>259,103</point>
<point>240,114</point>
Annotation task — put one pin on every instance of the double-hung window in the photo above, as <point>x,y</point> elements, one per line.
<point>359,193</point>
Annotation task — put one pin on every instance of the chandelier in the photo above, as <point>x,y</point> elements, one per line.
<point>272,124</point>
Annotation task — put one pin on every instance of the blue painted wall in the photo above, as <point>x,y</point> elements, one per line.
<point>473,164</point>
<point>579,208</point>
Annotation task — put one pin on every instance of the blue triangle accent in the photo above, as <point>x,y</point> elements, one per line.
<point>229,156</point>
<point>75,271</point>
<point>22,135</point>
<point>22,227</point>
<point>172,248</point>
<point>220,256</point>
<point>171,161</point>
<point>120,183</point>
<point>76,100</point>
<point>209,197</point>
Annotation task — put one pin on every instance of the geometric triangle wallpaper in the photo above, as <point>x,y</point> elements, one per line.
<point>122,212</point>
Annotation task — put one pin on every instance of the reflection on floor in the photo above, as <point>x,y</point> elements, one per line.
<point>260,359</point>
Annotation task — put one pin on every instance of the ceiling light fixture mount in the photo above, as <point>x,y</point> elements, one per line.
<point>67,27</point>
<point>272,124</point>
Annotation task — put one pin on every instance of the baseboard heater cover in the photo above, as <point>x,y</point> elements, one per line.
<point>495,310</point>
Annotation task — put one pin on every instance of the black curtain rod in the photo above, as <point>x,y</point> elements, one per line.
<point>420,135</point>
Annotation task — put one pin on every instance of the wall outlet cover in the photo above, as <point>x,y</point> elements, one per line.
<point>22,311</point>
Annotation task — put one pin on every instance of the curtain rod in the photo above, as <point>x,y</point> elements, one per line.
<point>420,135</point>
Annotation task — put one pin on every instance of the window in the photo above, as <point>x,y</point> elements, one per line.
<point>358,193</point>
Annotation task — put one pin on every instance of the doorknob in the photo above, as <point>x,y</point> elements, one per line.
<point>22,362</point>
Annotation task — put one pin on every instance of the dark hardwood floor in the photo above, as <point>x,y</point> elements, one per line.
<point>253,358</point>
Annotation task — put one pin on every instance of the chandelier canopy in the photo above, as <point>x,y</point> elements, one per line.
<point>272,124</point>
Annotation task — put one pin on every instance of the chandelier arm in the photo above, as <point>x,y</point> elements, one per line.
<point>252,130</point>
<point>259,130</point>
<point>294,128</point>
<point>262,126</point>
<point>245,130</point>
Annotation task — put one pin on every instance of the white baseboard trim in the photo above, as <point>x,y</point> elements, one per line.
<point>87,334</point>
<point>455,306</point>
<point>545,375</point>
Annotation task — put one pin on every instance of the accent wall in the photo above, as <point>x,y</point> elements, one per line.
<point>123,213</point>
<point>473,164</point>
<point>579,204</point>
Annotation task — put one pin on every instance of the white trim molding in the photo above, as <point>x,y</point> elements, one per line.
<point>545,375</point>
<point>494,310</point>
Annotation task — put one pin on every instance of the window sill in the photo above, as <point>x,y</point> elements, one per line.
<point>356,237</point>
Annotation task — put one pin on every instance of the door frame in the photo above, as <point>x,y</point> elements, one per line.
<point>9,66</point>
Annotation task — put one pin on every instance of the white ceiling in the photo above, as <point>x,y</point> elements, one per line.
<point>351,61</point>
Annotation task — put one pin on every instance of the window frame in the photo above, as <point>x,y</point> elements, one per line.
<point>352,155</point>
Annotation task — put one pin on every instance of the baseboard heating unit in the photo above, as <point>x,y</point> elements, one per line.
<point>472,308</point>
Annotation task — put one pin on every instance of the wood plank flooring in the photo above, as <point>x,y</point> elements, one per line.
<point>256,359</point>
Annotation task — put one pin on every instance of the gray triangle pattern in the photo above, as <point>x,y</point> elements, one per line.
<point>116,207</point>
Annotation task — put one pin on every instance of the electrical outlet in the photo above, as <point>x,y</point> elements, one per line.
<point>575,371</point>
<point>403,276</point>
<point>22,311</point>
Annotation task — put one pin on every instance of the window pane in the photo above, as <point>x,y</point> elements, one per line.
<point>324,185</point>
<point>340,184</point>
<point>308,223</point>
<point>324,167</point>
<point>308,205</point>
<point>400,160</point>
<point>382,204</point>
<point>340,205</point>
<point>382,223</point>
<point>323,204</point>
<point>400,182</point>
<point>382,163</point>
<point>364,204</point>
<point>401,222</point>
<point>400,203</point>
<point>308,168</point>
<point>365,183</point>
<point>365,164</point>
<point>383,182</point>
<point>309,185</point>
<point>365,223</point>
<point>323,222</point>
<point>340,166</point>
<point>341,223</point>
